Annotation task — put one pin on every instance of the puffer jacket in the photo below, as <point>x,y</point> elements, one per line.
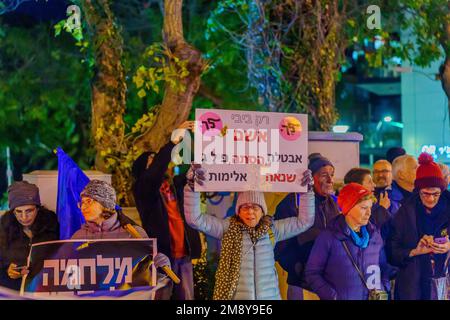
<point>109,229</point>
<point>330,272</point>
<point>258,278</point>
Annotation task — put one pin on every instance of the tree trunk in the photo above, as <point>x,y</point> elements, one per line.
<point>108,85</point>
<point>176,104</point>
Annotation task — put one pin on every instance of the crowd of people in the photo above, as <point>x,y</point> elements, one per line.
<point>384,235</point>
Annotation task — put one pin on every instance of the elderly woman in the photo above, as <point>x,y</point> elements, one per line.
<point>419,244</point>
<point>347,262</point>
<point>103,221</point>
<point>246,265</point>
<point>26,222</point>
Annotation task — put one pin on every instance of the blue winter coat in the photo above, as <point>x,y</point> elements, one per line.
<point>330,272</point>
<point>258,278</point>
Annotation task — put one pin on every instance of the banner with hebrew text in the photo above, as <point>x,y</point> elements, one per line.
<point>90,267</point>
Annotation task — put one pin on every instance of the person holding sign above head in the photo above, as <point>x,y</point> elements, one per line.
<point>26,222</point>
<point>246,264</point>
<point>159,200</point>
<point>103,221</point>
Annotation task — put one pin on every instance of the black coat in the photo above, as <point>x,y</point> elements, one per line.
<point>152,211</point>
<point>403,238</point>
<point>293,254</point>
<point>15,244</point>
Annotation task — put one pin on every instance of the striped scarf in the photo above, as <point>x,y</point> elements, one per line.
<point>227,275</point>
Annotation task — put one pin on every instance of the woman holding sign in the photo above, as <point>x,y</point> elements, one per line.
<point>103,221</point>
<point>246,266</point>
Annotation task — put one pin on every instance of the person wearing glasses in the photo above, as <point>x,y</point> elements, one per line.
<point>104,221</point>
<point>27,222</point>
<point>246,264</point>
<point>418,244</point>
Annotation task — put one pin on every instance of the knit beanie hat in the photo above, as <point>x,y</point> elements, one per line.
<point>394,152</point>
<point>350,195</point>
<point>428,174</point>
<point>251,197</point>
<point>317,161</point>
<point>22,193</point>
<point>101,192</point>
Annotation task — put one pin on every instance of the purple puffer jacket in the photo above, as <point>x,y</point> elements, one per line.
<point>330,272</point>
<point>109,229</point>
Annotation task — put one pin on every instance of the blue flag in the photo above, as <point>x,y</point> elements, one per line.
<point>71,181</point>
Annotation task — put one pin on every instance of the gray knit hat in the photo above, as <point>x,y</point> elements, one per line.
<point>23,193</point>
<point>251,197</point>
<point>101,192</point>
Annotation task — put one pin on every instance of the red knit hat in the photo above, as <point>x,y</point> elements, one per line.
<point>350,195</point>
<point>428,174</point>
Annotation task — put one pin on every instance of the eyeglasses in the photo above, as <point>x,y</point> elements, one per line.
<point>428,194</point>
<point>85,202</point>
<point>27,212</point>
<point>247,208</point>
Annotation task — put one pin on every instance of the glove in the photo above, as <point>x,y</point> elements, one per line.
<point>161,260</point>
<point>196,173</point>
<point>307,180</point>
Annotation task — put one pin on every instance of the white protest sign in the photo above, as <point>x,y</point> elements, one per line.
<point>247,150</point>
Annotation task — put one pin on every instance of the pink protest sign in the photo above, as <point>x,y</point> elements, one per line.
<point>247,150</point>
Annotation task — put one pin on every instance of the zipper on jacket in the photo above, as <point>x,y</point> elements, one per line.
<point>324,218</point>
<point>254,269</point>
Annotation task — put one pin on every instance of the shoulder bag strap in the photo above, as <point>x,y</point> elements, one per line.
<point>354,264</point>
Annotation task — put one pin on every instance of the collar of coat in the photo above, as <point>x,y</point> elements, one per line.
<point>341,230</point>
<point>110,224</point>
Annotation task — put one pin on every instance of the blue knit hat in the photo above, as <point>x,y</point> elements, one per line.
<point>317,161</point>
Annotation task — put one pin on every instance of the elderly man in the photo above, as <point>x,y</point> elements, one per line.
<point>404,174</point>
<point>293,254</point>
<point>382,175</point>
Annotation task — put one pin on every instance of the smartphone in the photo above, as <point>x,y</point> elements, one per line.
<point>442,240</point>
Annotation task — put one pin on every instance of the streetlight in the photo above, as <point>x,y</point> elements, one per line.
<point>387,119</point>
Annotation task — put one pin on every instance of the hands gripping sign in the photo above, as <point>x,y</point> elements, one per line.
<point>245,150</point>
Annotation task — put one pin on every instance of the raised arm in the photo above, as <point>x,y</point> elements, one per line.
<point>205,223</point>
<point>290,227</point>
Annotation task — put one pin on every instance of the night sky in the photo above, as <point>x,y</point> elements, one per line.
<point>31,12</point>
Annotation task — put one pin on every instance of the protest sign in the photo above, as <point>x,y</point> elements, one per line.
<point>245,150</point>
<point>91,267</point>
